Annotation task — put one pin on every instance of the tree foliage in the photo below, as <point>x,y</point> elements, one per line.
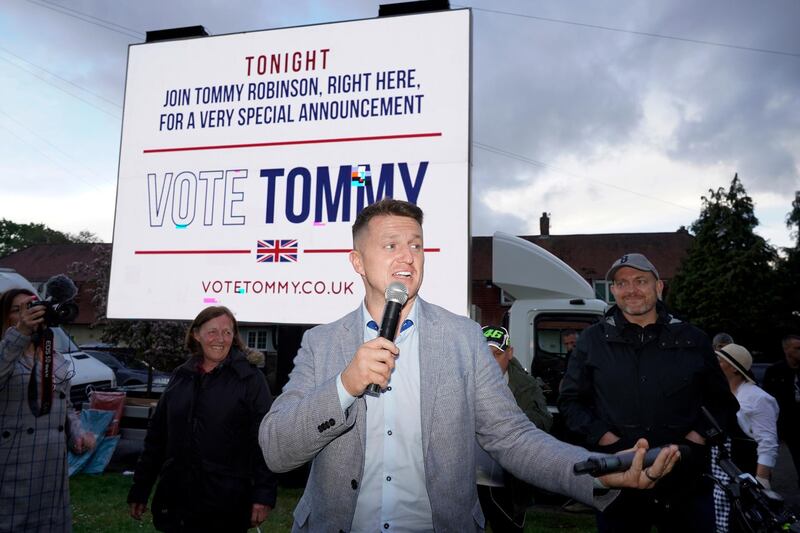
<point>15,236</point>
<point>788,289</point>
<point>159,342</point>
<point>728,280</point>
<point>793,220</point>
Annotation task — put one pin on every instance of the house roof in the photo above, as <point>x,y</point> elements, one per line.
<point>592,255</point>
<point>41,261</point>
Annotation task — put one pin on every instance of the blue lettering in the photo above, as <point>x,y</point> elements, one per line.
<point>182,191</point>
<point>271,174</point>
<point>233,196</point>
<point>158,201</point>
<point>210,193</point>
<point>333,200</point>
<point>413,189</point>
<point>385,188</point>
<point>324,199</point>
<point>184,199</point>
<point>305,195</point>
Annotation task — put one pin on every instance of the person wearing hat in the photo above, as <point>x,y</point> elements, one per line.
<point>504,498</point>
<point>526,389</point>
<point>758,411</point>
<point>642,373</point>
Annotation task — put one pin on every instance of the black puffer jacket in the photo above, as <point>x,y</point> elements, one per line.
<point>643,382</point>
<point>203,436</point>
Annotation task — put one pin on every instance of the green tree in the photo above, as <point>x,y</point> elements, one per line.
<point>793,221</point>
<point>15,236</point>
<point>788,289</point>
<point>728,280</point>
<point>83,236</point>
<point>158,342</point>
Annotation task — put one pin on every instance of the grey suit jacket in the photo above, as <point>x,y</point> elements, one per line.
<point>463,396</point>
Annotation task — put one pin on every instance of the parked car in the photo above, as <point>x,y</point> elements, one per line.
<point>128,369</point>
<point>88,373</point>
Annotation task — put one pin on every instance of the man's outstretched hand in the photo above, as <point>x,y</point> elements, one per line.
<point>637,477</point>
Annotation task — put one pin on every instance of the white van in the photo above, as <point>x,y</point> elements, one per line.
<point>89,372</point>
<point>549,299</point>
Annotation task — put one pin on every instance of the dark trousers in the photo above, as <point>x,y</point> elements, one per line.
<point>498,509</point>
<point>688,510</point>
<point>197,521</point>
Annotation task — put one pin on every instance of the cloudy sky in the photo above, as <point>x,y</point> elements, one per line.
<point>613,117</point>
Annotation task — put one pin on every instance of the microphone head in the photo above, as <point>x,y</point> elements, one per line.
<point>396,292</point>
<point>60,289</point>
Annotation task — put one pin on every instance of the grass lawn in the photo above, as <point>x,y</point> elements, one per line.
<point>98,505</point>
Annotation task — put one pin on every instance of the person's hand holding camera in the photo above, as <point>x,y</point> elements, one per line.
<point>30,318</point>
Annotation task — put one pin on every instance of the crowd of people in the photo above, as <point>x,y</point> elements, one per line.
<point>453,442</point>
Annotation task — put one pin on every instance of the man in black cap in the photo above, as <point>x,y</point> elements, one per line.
<point>640,372</point>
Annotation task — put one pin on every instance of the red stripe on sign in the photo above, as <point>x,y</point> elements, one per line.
<point>301,141</point>
<point>183,252</point>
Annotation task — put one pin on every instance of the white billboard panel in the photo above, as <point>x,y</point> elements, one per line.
<point>245,159</point>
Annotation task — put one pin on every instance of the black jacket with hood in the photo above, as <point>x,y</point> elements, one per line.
<point>203,442</point>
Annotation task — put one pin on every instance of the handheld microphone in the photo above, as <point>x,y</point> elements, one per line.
<point>597,466</point>
<point>396,296</point>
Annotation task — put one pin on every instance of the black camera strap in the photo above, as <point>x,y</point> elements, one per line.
<point>40,403</point>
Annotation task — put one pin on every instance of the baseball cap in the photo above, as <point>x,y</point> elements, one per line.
<point>739,358</point>
<point>496,336</point>
<point>637,261</point>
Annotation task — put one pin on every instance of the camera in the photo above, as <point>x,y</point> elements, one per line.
<point>57,314</point>
<point>59,304</point>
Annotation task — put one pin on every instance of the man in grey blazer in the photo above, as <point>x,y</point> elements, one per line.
<point>404,460</point>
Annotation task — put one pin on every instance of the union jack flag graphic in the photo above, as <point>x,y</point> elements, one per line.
<point>276,251</point>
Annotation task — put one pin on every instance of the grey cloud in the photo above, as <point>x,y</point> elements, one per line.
<point>547,90</point>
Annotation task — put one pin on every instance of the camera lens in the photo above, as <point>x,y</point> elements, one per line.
<point>66,312</point>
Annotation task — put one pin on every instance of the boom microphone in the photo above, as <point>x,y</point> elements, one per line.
<point>60,289</point>
<point>396,296</point>
<point>597,466</point>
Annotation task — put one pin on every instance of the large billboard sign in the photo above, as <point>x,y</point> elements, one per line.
<point>245,159</point>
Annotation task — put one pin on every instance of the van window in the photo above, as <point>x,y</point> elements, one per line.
<point>550,357</point>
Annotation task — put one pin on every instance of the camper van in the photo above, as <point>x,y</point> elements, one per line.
<point>549,298</point>
<point>89,372</point>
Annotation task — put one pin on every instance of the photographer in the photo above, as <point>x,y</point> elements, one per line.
<point>36,425</point>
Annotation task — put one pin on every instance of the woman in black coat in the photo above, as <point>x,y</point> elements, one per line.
<point>202,442</point>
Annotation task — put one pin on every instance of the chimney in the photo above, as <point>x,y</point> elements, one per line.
<point>544,225</point>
